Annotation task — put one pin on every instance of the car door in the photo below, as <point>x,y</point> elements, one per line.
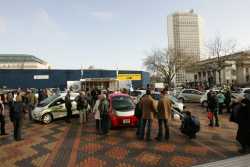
<point>57,108</point>
<point>187,95</point>
<point>196,96</point>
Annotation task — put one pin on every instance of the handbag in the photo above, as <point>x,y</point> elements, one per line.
<point>210,115</point>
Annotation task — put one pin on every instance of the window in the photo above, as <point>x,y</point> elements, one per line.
<point>247,91</point>
<point>187,91</point>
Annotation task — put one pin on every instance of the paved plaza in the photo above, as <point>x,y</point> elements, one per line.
<point>64,145</point>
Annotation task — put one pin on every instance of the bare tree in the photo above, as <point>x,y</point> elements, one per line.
<point>219,48</point>
<point>164,63</point>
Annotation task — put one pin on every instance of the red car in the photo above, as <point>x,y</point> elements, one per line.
<point>122,110</point>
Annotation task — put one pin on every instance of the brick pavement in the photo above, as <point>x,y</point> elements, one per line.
<point>61,144</point>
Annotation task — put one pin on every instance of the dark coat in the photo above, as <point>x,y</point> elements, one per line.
<point>243,119</point>
<point>68,103</point>
<point>17,111</point>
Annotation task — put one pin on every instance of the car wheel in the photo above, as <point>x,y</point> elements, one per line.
<point>204,104</point>
<point>47,118</point>
<point>181,100</point>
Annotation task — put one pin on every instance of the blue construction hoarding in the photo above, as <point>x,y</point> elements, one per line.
<point>24,78</point>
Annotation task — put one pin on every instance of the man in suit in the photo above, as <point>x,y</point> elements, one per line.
<point>148,110</point>
<point>164,114</point>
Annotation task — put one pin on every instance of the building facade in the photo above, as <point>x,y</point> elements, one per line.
<point>235,69</point>
<point>53,78</point>
<point>21,61</point>
<point>185,38</point>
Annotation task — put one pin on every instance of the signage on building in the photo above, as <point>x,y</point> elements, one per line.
<point>125,77</point>
<point>40,77</point>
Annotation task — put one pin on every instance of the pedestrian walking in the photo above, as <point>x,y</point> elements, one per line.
<point>228,100</point>
<point>17,115</point>
<point>68,106</point>
<point>221,101</point>
<point>97,113</point>
<point>2,118</point>
<point>103,108</point>
<point>243,120</point>
<point>148,111</point>
<point>213,110</point>
<point>82,106</point>
<point>138,114</point>
<point>163,115</point>
<point>31,103</point>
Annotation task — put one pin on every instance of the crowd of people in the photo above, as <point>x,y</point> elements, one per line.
<point>19,104</point>
<point>23,102</point>
<point>239,113</point>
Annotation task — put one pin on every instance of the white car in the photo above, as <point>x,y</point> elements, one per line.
<point>190,95</point>
<point>203,99</point>
<point>242,91</point>
<point>53,107</point>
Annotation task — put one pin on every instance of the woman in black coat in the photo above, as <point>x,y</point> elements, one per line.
<point>243,120</point>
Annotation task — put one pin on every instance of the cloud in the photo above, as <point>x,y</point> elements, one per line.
<point>102,15</point>
<point>44,27</point>
<point>2,25</point>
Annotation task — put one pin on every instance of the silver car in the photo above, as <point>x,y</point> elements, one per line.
<point>190,95</point>
<point>53,107</point>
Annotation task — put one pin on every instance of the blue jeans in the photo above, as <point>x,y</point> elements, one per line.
<point>145,122</point>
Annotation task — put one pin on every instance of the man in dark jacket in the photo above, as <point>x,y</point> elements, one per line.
<point>228,100</point>
<point>213,107</point>
<point>68,106</point>
<point>138,114</point>
<point>2,117</point>
<point>17,112</point>
<point>243,120</point>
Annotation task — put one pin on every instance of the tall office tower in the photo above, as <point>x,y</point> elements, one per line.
<point>185,39</point>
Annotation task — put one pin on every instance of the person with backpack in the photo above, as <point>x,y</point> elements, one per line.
<point>103,108</point>
<point>190,125</point>
<point>68,106</point>
<point>163,115</point>
<point>82,106</point>
<point>213,109</point>
<point>2,118</point>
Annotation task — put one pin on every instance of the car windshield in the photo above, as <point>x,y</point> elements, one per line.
<point>46,101</point>
<point>175,100</point>
<point>122,103</point>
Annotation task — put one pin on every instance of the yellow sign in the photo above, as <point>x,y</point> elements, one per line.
<point>125,77</point>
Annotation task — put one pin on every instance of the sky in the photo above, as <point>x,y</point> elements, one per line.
<point>109,34</point>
